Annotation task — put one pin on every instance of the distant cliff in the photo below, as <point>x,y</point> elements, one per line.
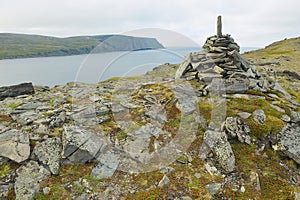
<point>24,46</point>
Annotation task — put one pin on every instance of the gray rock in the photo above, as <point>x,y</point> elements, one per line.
<point>289,140</point>
<point>197,175</point>
<point>137,147</point>
<point>59,121</point>
<point>186,98</point>
<point>148,130</point>
<point>48,153</point>
<point>186,198</point>
<point>277,108</point>
<point>29,106</point>
<point>259,116</point>
<point>164,181</point>
<point>26,118</point>
<point>42,130</point>
<point>3,128</point>
<point>285,118</point>
<point>244,115</point>
<point>16,90</point>
<point>250,73</point>
<point>236,85</point>
<point>46,190</point>
<point>29,177</point>
<point>157,113</point>
<point>14,144</point>
<point>277,87</point>
<point>213,188</point>
<point>81,146</point>
<point>295,116</point>
<point>220,147</point>
<point>107,165</point>
<point>101,171</point>
<point>236,128</point>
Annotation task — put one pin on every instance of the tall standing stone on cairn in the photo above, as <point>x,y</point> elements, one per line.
<point>219,27</point>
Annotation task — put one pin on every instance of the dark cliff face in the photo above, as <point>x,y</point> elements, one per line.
<point>24,46</point>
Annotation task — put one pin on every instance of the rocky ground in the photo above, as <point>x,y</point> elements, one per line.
<point>151,137</point>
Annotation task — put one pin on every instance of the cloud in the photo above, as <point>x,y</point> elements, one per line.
<point>252,23</point>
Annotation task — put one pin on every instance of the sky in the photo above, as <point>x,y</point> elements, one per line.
<point>252,23</point>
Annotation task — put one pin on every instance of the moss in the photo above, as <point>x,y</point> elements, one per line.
<point>274,178</point>
<point>205,110</point>
<point>13,105</point>
<point>6,168</point>
<point>255,92</point>
<point>122,135</point>
<point>272,125</point>
<point>68,174</point>
<point>5,118</point>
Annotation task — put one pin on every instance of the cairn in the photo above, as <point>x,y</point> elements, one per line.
<point>220,58</point>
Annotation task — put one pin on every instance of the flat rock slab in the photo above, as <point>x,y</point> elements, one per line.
<point>16,90</point>
<point>14,144</point>
<point>81,146</point>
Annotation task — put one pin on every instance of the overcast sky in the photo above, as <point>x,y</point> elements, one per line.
<point>252,23</point>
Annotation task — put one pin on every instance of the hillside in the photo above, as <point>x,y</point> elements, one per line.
<point>284,54</point>
<point>153,136</point>
<point>23,46</point>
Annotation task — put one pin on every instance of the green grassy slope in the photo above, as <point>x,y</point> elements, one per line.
<point>287,52</point>
<point>21,46</point>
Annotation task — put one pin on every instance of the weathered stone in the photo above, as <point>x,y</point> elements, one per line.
<point>14,144</point>
<point>277,108</point>
<point>259,116</point>
<point>28,180</point>
<point>42,130</point>
<point>223,154</point>
<point>236,85</point>
<point>81,146</point>
<point>289,140</point>
<point>285,118</point>
<point>16,90</point>
<point>48,153</point>
<point>219,27</point>
<point>108,163</point>
<point>164,181</point>
<point>213,188</point>
<point>295,116</point>
<point>244,115</point>
<point>186,98</point>
<point>29,106</point>
<point>235,127</point>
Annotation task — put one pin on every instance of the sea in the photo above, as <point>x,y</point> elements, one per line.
<point>89,68</point>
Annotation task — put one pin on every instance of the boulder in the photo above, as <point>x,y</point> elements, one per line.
<point>259,116</point>
<point>236,85</point>
<point>14,144</point>
<point>16,90</point>
<point>218,144</point>
<point>237,128</point>
<point>29,177</point>
<point>289,140</point>
<point>48,153</point>
<point>81,146</point>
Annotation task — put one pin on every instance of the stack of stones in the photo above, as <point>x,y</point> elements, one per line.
<point>219,59</point>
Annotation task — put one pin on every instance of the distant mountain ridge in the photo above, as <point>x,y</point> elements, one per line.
<point>25,46</point>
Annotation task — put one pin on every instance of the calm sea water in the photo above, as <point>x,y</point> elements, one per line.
<point>90,68</point>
